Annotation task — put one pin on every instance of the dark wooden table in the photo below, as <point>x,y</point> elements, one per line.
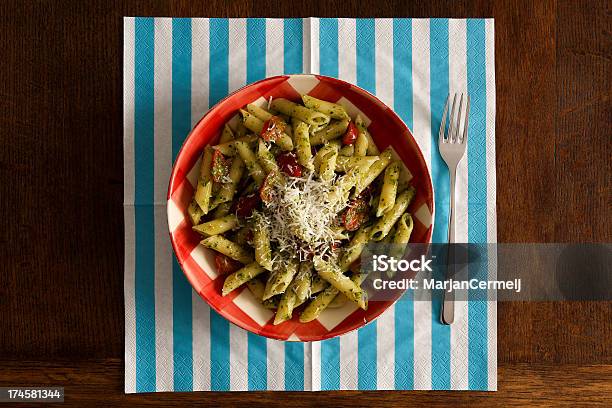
<point>61,172</point>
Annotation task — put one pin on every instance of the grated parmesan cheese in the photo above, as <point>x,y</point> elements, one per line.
<point>301,217</point>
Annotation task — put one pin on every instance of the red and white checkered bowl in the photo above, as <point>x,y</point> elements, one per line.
<point>197,262</point>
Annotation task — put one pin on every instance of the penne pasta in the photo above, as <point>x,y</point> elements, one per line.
<point>247,155</point>
<point>228,190</point>
<point>195,212</point>
<point>302,144</point>
<point>384,224</point>
<point>343,283</point>
<point>347,151</point>
<point>318,284</point>
<point>206,164</point>
<point>372,150</point>
<point>299,112</point>
<point>389,188</point>
<point>400,237</point>
<point>330,109</point>
<point>228,248</point>
<point>404,229</point>
<point>252,122</point>
<point>261,242</point>
<point>259,113</point>
<point>374,171</point>
<point>283,106</point>
<point>227,134</point>
<point>320,303</point>
<point>241,236</point>
<point>332,131</point>
<point>280,280</point>
<point>299,234</point>
<point>222,210</point>
<point>330,147</point>
<point>256,125</point>
<point>354,248</point>
<point>328,165</point>
<point>341,299</point>
<point>257,287</point>
<point>217,226</point>
<point>240,277</point>
<point>344,163</point>
<point>297,293</point>
<point>240,131</point>
<point>361,145</point>
<point>266,158</point>
<point>229,148</point>
<point>203,195</point>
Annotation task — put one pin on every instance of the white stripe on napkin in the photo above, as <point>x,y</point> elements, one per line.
<point>201,343</point>
<point>422,132</point>
<point>276,365</point>
<point>314,44</point>
<point>347,67</point>
<point>385,326</point>
<point>458,331</point>
<point>348,361</point>
<point>128,198</point>
<point>275,56</point>
<point>163,165</point>
<point>491,196</point>
<point>238,359</point>
<point>199,68</point>
<point>199,106</point>
<point>384,60</point>
<point>237,54</point>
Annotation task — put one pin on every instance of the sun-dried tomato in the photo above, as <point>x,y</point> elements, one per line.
<point>220,167</point>
<point>288,164</point>
<point>267,187</point>
<point>273,129</point>
<point>356,214</point>
<point>225,264</point>
<point>351,134</point>
<point>246,205</point>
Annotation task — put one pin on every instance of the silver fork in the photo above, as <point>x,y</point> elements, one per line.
<point>452,149</point>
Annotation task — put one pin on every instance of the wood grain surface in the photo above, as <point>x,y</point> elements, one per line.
<point>61,192</point>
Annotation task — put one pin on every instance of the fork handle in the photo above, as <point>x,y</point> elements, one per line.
<point>447,315</point>
<point>451,213</point>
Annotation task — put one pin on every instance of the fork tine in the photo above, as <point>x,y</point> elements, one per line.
<point>467,117</point>
<point>457,128</point>
<point>451,121</point>
<point>443,124</point>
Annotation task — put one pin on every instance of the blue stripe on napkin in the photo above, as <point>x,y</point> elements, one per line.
<point>218,84</point>
<point>144,216</point>
<point>402,95</point>
<point>328,47</point>
<point>366,50</point>
<point>256,49</point>
<point>293,44</point>
<point>293,60</point>
<point>181,125</point>
<point>328,65</point>
<point>256,70</point>
<point>366,79</point>
<point>330,364</point>
<point>294,366</point>
<point>477,198</point>
<point>438,65</point>
<point>258,368</point>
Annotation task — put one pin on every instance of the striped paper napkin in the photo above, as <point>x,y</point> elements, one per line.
<point>174,70</point>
